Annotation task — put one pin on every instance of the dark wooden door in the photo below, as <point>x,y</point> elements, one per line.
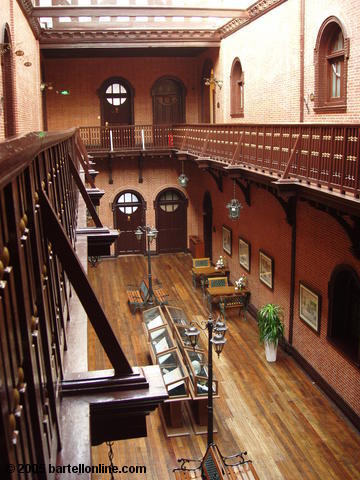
<point>207,213</point>
<point>168,102</point>
<point>128,215</point>
<point>170,210</point>
<point>116,102</point>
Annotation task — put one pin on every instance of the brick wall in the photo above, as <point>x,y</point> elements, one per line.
<point>84,76</point>
<point>28,109</point>
<point>322,245</point>
<point>269,52</point>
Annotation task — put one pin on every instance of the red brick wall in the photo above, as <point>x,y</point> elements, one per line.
<point>28,108</point>
<point>84,76</point>
<point>322,245</point>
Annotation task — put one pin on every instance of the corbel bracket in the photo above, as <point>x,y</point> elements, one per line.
<point>245,188</point>
<point>288,205</point>
<point>217,176</point>
<point>140,166</point>
<point>352,229</point>
<point>111,181</point>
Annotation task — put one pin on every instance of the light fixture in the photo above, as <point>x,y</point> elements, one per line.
<point>212,81</point>
<point>183,179</point>
<point>218,341</point>
<point>234,207</point>
<point>46,86</point>
<point>27,64</point>
<point>150,234</point>
<point>19,53</point>
<point>193,334</point>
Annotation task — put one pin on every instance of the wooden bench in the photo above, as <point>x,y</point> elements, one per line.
<point>217,467</point>
<point>137,296</point>
<point>198,264</point>
<point>240,301</point>
<point>160,294</point>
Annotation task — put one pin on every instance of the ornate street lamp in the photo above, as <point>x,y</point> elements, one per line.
<point>151,234</point>
<point>218,340</point>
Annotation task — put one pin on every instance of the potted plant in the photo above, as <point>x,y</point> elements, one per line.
<point>271,328</point>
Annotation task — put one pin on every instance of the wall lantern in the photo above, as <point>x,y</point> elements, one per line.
<point>183,179</point>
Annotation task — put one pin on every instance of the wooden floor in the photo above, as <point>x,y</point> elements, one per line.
<point>274,411</point>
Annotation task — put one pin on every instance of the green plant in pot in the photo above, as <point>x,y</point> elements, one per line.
<point>271,328</point>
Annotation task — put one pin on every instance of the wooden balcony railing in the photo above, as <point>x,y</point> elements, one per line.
<point>128,137</point>
<point>321,154</point>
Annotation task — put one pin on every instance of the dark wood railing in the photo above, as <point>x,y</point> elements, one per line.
<point>315,153</point>
<point>132,137</point>
<point>321,154</point>
<point>38,268</point>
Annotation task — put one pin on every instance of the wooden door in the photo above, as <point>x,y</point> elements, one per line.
<point>207,214</point>
<point>129,209</point>
<point>170,211</point>
<point>116,99</point>
<point>168,101</point>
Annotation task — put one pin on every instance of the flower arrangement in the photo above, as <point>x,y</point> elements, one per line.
<point>241,282</point>
<point>220,263</point>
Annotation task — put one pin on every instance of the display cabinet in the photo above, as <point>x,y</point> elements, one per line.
<point>160,342</point>
<point>153,318</point>
<point>179,323</point>
<point>174,375</point>
<point>196,363</point>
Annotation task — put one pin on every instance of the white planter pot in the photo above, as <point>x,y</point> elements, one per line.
<point>270,351</point>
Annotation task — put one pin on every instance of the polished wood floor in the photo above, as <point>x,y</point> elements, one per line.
<point>274,411</point>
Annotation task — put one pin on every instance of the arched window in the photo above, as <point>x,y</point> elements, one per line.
<point>236,90</point>
<point>344,311</point>
<point>331,56</point>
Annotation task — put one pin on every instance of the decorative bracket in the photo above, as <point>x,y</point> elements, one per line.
<point>289,205</point>
<point>217,176</point>
<point>111,181</point>
<point>352,230</point>
<point>140,166</point>
<point>245,188</point>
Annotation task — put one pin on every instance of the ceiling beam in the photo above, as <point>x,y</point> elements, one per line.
<point>164,11</point>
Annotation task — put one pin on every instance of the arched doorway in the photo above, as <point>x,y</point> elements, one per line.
<point>171,221</point>
<point>116,102</point>
<point>8,84</point>
<point>207,214</point>
<point>129,213</point>
<point>168,98</point>
<point>205,93</point>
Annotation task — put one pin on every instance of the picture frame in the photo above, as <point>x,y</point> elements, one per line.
<point>227,239</point>
<point>309,307</point>
<point>244,254</point>
<point>266,269</point>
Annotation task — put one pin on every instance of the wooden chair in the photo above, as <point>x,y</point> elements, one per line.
<point>214,282</point>
<point>199,263</point>
<point>240,301</point>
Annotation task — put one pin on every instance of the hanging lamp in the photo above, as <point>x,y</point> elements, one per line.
<point>234,207</point>
<point>183,179</point>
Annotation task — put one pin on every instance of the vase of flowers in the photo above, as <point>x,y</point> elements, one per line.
<point>240,284</point>
<point>220,264</point>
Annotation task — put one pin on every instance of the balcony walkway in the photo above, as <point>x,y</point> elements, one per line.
<point>288,426</point>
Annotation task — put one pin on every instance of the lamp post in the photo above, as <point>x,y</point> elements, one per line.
<point>151,234</point>
<point>212,83</point>
<point>218,340</point>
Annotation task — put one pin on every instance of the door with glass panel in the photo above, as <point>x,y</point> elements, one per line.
<point>171,212</point>
<point>116,97</point>
<point>129,213</point>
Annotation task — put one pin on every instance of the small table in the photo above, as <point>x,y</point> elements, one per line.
<point>203,273</point>
<point>213,294</point>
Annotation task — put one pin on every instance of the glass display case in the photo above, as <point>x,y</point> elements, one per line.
<point>153,318</point>
<point>179,323</point>
<point>174,376</point>
<point>160,341</point>
<point>196,363</point>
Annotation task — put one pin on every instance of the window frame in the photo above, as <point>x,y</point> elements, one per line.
<point>324,58</point>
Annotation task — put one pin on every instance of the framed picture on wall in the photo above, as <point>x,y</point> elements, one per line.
<point>309,307</point>
<point>266,269</point>
<point>244,254</point>
<point>227,239</point>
